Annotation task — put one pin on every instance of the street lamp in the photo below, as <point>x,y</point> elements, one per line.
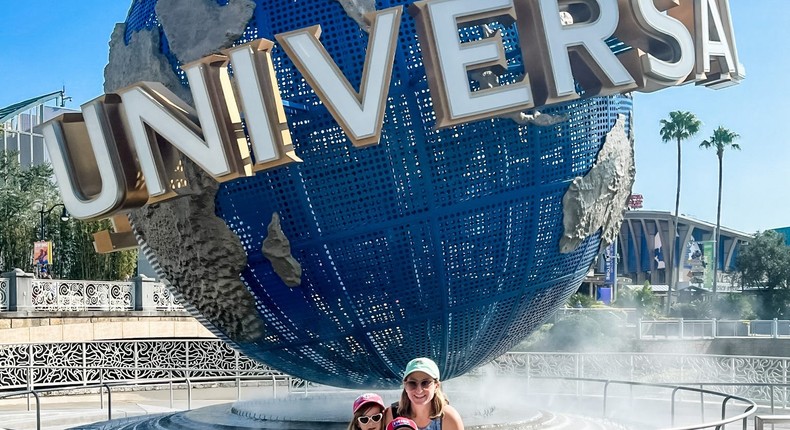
<point>64,216</point>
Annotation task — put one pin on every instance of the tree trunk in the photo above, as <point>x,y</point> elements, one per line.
<point>674,232</point>
<point>717,233</point>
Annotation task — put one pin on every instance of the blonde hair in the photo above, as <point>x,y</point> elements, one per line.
<point>438,402</point>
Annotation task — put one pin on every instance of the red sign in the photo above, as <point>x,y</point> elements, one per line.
<point>635,201</point>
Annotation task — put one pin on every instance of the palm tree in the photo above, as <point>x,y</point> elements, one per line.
<point>679,127</point>
<point>720,140</point>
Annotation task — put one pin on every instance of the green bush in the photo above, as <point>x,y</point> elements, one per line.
<point>734,307</point>
<point>580,300</point>
<point>695,310</point>
<point>642,299</point>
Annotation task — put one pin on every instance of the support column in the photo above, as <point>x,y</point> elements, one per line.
<point>20,290</point>
<point>144,293</point>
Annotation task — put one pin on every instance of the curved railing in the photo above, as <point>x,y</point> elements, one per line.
<point>749,407</point>
<point>766,380</point>
<point>170,382</point>
<point>29,366</point>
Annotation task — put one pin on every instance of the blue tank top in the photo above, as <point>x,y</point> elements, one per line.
<point>435,424</point>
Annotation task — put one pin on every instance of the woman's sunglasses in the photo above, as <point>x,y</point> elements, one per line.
<point>364,419</point>
<point>425,384</point>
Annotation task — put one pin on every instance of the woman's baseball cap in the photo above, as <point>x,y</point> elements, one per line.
<point>368,398</point>
<point>422,364</point>
<point>401,422</point>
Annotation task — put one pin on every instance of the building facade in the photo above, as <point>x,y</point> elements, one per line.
<point>19,126</point>
<point>645,246</point>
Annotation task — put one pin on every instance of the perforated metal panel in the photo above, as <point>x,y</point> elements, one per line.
<point>433,243</point>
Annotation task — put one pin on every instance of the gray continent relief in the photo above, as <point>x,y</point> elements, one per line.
<point>597,200</point>
<point>196,28</point>
<point>200,257</point>
<point>140,61</point>
<point>277,249</point>
<point>193,249</point>
<point>357,9</point>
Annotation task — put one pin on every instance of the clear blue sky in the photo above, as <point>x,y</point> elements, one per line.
<point>50,43</point>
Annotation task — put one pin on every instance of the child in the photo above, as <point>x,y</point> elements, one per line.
<point>402,423</point>
<point>368,413</point>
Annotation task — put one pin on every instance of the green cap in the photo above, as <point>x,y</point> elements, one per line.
<point>422,364</point>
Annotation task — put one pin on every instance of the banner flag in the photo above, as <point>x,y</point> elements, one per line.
<point>694,264</point>
<point>693,254</point>
<point>707,258</point>
<point>610,257</point>
<point>659,254</point>
<point>42,256</point>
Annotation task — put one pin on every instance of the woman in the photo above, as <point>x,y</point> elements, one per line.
<point>422,399</point>
<point>368,413</point>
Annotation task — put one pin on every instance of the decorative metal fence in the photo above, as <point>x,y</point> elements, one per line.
<point>56,295</point>
<point>697,329</point>
<point>164,299</point>
<point>4,285</point>
<point>762,379</point>
<point>679,328</point>
<point>31,366</point>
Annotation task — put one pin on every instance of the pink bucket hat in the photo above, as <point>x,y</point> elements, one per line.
<point>401,422</point>
<point>368,398</point>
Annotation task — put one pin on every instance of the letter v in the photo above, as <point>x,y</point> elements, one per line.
<point>359,114</point>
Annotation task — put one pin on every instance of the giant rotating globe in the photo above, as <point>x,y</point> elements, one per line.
<point>438,243</point>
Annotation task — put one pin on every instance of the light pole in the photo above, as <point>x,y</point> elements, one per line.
<point>64,216</point>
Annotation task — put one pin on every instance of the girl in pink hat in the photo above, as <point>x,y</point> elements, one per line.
<point>422,399</point>
<point>368,413</point>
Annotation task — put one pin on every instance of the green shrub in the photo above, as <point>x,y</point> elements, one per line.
<point>580,300</point>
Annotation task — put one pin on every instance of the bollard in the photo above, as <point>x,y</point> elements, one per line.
<point>189,394</point>
<point>109,400</point>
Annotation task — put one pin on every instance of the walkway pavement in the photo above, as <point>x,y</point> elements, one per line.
<point>61,412</point>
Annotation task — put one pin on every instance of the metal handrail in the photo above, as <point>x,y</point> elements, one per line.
<point>761,420</point>
<point>190,382</point>
<point>109,400</point>
<point>751,407</point>
<point>711,328</point>
<point>38,403</point>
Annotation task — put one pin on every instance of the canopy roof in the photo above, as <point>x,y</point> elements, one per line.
<point>9,112</point>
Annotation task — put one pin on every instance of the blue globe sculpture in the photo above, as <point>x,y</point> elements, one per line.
<point>432,243</point>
